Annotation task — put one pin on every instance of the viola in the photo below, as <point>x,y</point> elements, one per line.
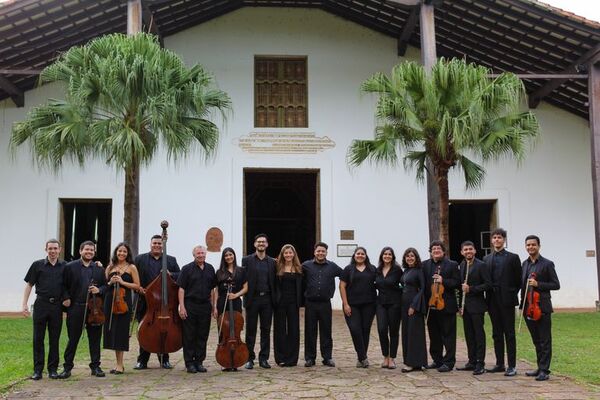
<point>95,313</point>
<point>231,351</point>
<point>436,301</point>
<point>160,331</point>
<point>533,311</point>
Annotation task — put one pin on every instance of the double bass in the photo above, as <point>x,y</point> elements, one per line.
<point>161,328</point>
<point>231,352</point>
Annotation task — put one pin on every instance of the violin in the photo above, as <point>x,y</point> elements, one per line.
<point>533,311</point>
<point>436,301</point>
<point>94,304</point>
<point>119,305</point>
<point>231,351</point>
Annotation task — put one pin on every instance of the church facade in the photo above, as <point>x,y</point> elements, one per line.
<point>293,76</point>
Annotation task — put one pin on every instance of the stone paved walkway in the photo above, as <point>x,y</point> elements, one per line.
<point>343,382</point>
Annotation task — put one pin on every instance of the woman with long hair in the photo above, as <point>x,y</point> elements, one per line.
<point>123,278</point>
<point>286,322</point>
<point>389,305</point>
<point>357,288</point>
<point>230,274</point>
<point>414,350</point>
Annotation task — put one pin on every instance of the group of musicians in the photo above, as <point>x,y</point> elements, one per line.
<point>416,296</point>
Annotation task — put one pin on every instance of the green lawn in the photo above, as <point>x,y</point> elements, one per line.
<point>575,345</point>
<point>16,354</point>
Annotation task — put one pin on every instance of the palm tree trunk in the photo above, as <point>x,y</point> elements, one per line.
<point>444,215</point>
<point>131,219</point>
<point>433,202</point>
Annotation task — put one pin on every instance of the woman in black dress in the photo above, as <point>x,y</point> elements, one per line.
<point>230,272</point>
<point>357,288</point>
<point>123,274</point>
<point>389,305</point>
<point>286,321</point>
<point>414,350</point>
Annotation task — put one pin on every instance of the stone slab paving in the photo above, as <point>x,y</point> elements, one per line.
<point>342,382</point>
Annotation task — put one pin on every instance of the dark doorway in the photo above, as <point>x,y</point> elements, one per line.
<point>284,205</point>
<point>83,220</point>
<point>471,220</point>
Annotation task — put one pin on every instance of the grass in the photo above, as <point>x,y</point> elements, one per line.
<point>575,345</point>
<point>16,350</point>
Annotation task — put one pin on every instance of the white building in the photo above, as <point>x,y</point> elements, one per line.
<point>309,182</point>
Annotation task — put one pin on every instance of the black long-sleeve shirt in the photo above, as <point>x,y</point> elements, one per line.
<point>388,287</point>
<point>319,279</point>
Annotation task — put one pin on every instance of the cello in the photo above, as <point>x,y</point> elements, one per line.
<point>231,352</point>
<point>161,328</point>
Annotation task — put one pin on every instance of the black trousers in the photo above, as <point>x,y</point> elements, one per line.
<point>75,314</point>
<point>317,320</point>
<point>475,337</point>
<point>388,327</point>
<point>286,333</point>
<point>503,329</point>
<point>541,335</point>
<point>359,323</point>
<point>46,316</point>
<point>260,308</point>
<point>196,328</point>
<point>442,335</point>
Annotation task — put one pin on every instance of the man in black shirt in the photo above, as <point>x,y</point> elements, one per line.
<point>476,280</point>
<point>47,277</point>
<point>81,277</point>
<point>441,324</point>
<point>543,280</point>
<point>259,300</point>
<point>197,301</point>
<point>505,272</point>
<point>149,266</point>
<point>319,277</point>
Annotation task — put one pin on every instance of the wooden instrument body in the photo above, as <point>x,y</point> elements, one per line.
<point>533,311</point>
<point>160,331</point>
<point>95,313</point>
<point>436,301</point>
<point>231,351</point>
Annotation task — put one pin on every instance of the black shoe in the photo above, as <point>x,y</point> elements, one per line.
<point>496,368</point>
<point>99,373</point>
<point>140,365</point>
<point>191,369</point>
<point>479,370</point>
<point>433,366</point>
<point>510,371</point>
<point>411,369</point>
<point>166,365</point>
<point>66,374</point>
<point>468,367</point>
<point>444,368</point>
<point>51,375</point>
<point>37,376</point>
<point>542,376</point>
<point>249,364</point>
<point>200,368</point>
<point>264,364</point>
<point>328,363</point>
<point>309,363</point>
<point>533,373</point>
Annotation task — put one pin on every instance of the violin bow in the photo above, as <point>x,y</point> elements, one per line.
<point>87,298</point>
<point>137,298</point>
<point>522,308</point>
<point>115,289</point>
<point>229,289</point>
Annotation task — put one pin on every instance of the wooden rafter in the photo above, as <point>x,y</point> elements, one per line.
<point>407,31</point>
<point>15,93</point>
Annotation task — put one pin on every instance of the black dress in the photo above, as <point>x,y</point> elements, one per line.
<point>238,283</point>
<point>117,337</point>
<point>414,349</point>
<point>286,320</point>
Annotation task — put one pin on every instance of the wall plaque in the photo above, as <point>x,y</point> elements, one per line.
<point>214,239</point>
<point>346,250</point>
<point>347,234</point>
<point>284,143</point>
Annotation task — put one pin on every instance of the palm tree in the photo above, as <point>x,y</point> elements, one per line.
<point>125,96</point>
<point>444,118</point>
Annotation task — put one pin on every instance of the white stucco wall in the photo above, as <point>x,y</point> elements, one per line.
<point>550,194</point>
